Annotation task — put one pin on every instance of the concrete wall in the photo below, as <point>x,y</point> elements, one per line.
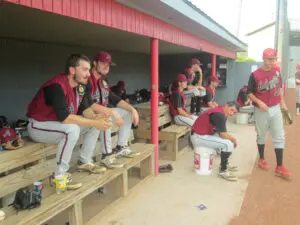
<point>294,60</point>
<point>237,76</point>
<point>24,66</point>
<point>259,41</point>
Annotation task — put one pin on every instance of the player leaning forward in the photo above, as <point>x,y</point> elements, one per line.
<point>265,91</point>
<point>54,117</point>
<point>124,114</point>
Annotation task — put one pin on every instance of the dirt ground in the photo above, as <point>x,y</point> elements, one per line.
<point>271,200</point>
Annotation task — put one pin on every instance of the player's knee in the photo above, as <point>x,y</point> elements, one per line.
<point>73,130</point>
<point>229,146</point>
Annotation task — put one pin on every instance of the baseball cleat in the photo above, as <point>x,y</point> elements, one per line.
<point>227,175</point>
<point>281,171</point>
<point>262,163</point>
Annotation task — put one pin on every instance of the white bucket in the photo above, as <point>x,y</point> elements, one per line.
<point>242,118</point>
<point>203,160</point>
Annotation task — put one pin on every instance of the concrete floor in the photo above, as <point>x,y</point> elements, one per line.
<point>172,198</point>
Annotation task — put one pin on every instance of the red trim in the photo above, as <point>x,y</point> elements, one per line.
<point>56,131</point>
<point>113,14</point>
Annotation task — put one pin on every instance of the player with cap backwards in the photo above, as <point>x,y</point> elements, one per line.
<point>210,131</point>
<point>265,91</point>
<point>297,77</point>
<point>209,100</point>
<point>177,103</point>
<point>119,89</point>
<point>123,113</point>
<point>53,117</point>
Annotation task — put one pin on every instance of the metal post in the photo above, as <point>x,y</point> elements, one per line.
<point>214,65</point>
<point>154,101</point>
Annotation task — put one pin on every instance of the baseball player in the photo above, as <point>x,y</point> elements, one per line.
<point>209,100</point>
<point>124,114</point>
<point>194,88</point>
<point>53,117</point>
<point>297,76</point>
<point>119,90</point>
<point>265,91</point>
<point>245,103</point>
<point>210,131</point>
<point>177,103</point>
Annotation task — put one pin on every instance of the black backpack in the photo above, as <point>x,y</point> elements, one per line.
<point>27,199</point>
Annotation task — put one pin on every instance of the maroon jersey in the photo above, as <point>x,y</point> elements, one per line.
<point>202,125</point>
<point>189,76</point>
<point>99,90</point>
<point>267,85</point>
<point>210,96</point>
<point>40,111</point>
<point>172,107</point>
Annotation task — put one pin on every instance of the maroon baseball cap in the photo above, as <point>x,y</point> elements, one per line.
<point>195,61</point>
<point>181,78</point>
<point>270,53</point>
<point>214,79</point>
<point>104,57</point>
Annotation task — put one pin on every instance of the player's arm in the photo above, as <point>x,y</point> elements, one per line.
<point>117,101</point>
<point>178,104</point>
<point>219,120</point>
<point>251,95</point>
<point>54,96</point>
<point>282,100</point>
<point>297,81</point>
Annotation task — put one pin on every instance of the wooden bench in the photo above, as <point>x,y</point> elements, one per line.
<point>36,161</point>
<point>170,135</point>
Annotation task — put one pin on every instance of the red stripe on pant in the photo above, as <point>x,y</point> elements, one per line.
<point>55,131</point>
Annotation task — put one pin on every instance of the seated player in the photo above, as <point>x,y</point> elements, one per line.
<point>210,131</point>
<point>177,103</point>
<point>209,100</point>
<point>119,90</point>
<point>53,117</point>
<point>245,103</point>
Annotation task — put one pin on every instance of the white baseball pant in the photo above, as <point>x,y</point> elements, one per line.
<point>124,133</point>
<point>183,120</point>
<point>270,121</point>
<point>211,141</point>
<point>194,92</point>
<point>66,137</point>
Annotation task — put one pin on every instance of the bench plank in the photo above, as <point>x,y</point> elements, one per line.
<point>54,203</point>
<point>31,152</point>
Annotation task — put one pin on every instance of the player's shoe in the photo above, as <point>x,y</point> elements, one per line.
<point>281,171</point>
<point>227,175</point>
<point>90,167</point>
<point>262,163</point>
<point>125,151</point>
<point>110,162</point>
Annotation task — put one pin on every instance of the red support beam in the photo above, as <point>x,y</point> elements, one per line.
<point>154,100</point>
<point>214,65</point>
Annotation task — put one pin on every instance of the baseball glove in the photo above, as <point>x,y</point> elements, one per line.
<point>286,116</point>
<point>13,145</point>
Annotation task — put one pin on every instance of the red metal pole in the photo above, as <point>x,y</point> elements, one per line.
<point>213,65</point>
<point>154,100</point>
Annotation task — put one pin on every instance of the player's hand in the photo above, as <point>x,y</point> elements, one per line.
<point>263,107</point>
<point>201,87</point>
<point>118,118</point>
<point>102,124</point>
<point>102,115</point>
<point>234,143</point>
<point>135,117</point>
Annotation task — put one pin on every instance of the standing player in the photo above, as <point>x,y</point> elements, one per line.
<point>53,117</point>
<point>177,103</point>
<point>265,91</point>
<point>297,76</point>
<point>210,131</point>
<point>102,95</point>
